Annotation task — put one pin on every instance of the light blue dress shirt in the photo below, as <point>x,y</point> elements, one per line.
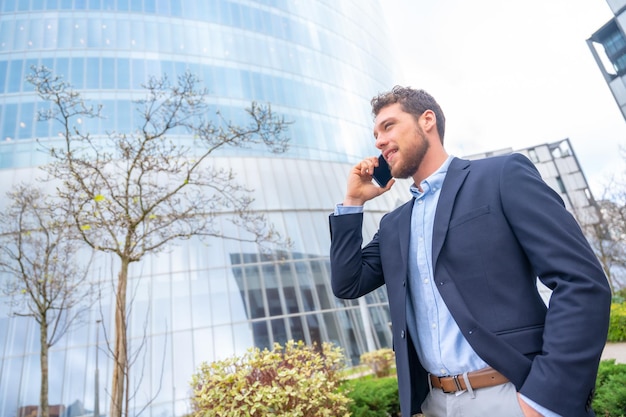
<point>439,343</point>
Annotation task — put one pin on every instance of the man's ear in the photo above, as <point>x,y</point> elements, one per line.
<point>428,120</point>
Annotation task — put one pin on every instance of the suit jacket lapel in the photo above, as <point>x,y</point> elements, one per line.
<point>403,226</point>
<point>457,172</point>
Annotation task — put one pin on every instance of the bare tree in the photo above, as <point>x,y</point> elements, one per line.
<point>607,234</point>
<point>39,251</point>
<point>134,193</point>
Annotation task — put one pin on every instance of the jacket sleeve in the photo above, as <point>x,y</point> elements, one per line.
<point>562,377</point>
<point>354,271</point>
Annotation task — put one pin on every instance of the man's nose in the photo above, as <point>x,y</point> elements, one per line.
<point>381,141</point>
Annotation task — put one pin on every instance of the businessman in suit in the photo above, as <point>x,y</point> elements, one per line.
<point>460,260</point>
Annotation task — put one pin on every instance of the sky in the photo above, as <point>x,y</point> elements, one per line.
<point>513,74</point>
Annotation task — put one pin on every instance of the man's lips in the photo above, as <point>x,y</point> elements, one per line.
<point>388,155</point>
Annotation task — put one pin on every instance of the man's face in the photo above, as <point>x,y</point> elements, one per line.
<point>401,140</point>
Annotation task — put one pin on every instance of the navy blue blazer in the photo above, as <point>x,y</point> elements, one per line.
<point>497,228</point>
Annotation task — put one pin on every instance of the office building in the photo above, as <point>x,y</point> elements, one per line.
<point>608,46</point>
<point>318,63</point>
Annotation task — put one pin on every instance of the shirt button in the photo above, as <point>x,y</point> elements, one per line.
<point>425,280</point>
<point>402,334</point>
<point>443,371</point>
<point>434,325</point>
<point>420,201</point>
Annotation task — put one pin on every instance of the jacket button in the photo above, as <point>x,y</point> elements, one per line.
<point>402,334</point>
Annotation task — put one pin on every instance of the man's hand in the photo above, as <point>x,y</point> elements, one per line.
<point>360,185</point>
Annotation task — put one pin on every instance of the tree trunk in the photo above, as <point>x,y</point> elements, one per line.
<point>43,358</point>
<point>120,353</point>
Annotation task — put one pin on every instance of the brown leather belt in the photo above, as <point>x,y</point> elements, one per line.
<point>486,377</point>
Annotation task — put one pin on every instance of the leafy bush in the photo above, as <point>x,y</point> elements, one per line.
<point>380,361</point>
<point>373,397</point>
<point>610,399</point>
<point>294,381</point>
<point>617,323</point>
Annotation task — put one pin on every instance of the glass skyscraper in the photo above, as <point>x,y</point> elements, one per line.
<point>318,63</point>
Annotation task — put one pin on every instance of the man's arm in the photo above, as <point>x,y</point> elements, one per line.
<point>563,376</point>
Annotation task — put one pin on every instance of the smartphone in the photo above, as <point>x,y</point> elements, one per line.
<point>382,173</point>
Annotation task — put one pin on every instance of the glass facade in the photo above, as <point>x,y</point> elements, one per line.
<point>318,63</point>
<point>608,47</point>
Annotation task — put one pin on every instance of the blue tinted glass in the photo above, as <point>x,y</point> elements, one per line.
<point>42,128</point>
<point>22,6</point>
<point>151,36</point>
<point>167,68</point>
<point>136,5</point>
<point>176,8</point>
<point>8,5</point>
<point>51,4</point>
<point>37,4</point>
<point>66,4</point>
<point>137,36</point>
<point>15,76</point>
<point>9,119</point>
<point>123,116</point>
<point>153,69</point>
<point>108,39</point>
<point>235,14</point>
<point>149,6</point>
<point>139,72</point>
<point>108,4</point>
<point>77,74</point>
<point>35,37</point>
<point>122,34</point>
<point>189,10</point>
<point>47,62</point>
<point>49,28</point>
<point>122,4</point>
<point>7,30</point>
<point>108,73</point>
<point>94,33</point>
<point>80,4</point>
<point>3,75</point>
<point>21,34</point>
<point>28,68</point>
<point>163,7</point>
<point>123,73</point>
<point>26,121</point>
<point>62,68</point>
<point>93,73</point>
<point>95,4</point>
<point>64,34</point>
<point>165,39</point>
<point>79,34</point>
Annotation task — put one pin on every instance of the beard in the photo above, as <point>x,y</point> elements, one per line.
<point>415,155</point>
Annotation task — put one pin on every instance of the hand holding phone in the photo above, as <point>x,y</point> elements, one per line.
<point>382,173</point>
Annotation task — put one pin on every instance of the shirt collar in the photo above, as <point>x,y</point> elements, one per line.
<point>434,182</point>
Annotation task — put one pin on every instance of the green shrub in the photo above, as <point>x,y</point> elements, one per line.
<point>610,399</point>
<point>380,361</point>
<point>294,381</point>
<point>617,323</point>
<point>373,397</point>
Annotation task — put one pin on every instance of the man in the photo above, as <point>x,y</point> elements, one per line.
<point>460,260</point>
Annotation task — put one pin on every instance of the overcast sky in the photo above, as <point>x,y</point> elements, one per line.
<point>513,75</point>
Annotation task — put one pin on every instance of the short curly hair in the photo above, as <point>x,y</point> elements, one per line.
<point>412,101</point>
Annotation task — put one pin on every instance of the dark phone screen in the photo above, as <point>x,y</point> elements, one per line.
<point>382,174</point>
